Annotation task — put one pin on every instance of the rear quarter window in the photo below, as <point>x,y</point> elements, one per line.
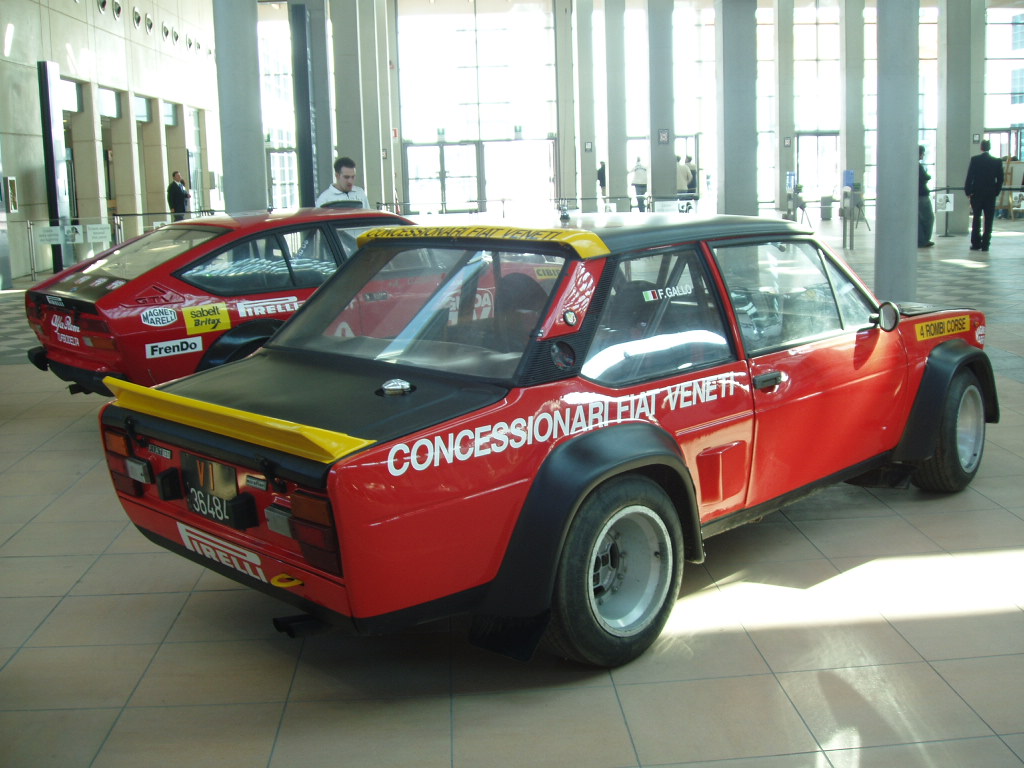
<point>661,319</point>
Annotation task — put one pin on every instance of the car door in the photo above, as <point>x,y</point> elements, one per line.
<point>664,352</point>
<point>828,384</point>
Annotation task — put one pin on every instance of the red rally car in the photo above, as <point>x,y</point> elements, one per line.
<point>188,296</point>
<point>538,427</point>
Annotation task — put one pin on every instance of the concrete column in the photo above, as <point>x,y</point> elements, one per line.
<point>587,158</point>
<point>208,127</point>
<point>156,171</point>
<point>851,66</point>
<point>566,188</point>
<point>736,57</point>
<point>320,92</point>
<point>302,32</point>
<point>347,79</point>
<point>896,215</point>
<point>175,139</point>
<point>370,99</point>
<point>126,169</point>
<point>785,156</point>
<point>394,164</point>
<point>87,144</point>
<point>383,122</point>
<point>961,104</point>
<point>615,49</point>
<point>662,173</point>
<point>241,120</point>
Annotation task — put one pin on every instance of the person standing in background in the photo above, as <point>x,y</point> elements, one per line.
<point>684,177</point>
<point>925,214</point>
<point>177,197</point>
<point>344,187</point>
<point>693,174</point>
<point>983,184</point>
<point>640,184</point>
<point>602,180</point>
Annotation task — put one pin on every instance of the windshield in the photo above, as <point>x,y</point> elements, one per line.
<point>450,308</point>
<point>138,256</point>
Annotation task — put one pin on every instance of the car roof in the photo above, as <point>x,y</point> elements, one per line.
<point>272,216</point>
<point>615,232</point>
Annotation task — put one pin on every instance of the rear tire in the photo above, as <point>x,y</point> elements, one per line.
<point>960,441</point>
<point>619,575</point>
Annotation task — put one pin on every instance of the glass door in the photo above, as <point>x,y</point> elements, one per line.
<point>1006,142</point>
<point>459,174</point>
<point>443,178</point>
<point>817,165</point>
<point>520,176</point>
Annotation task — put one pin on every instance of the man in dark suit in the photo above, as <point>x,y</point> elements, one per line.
<point>177,196</point>
<point>984,181</point>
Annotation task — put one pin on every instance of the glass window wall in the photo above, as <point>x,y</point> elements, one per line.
<point>1004,81</point>
<point>481,76</point>
<point>278,106</point>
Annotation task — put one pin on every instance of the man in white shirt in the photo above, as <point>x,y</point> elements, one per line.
<point>683,177</point>
<point>343,187</point>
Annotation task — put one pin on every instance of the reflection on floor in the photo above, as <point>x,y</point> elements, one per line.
<point>857,628</point>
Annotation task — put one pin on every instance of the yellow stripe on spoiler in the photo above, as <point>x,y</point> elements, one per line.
<point>287,436</point>
<point>586,244</point>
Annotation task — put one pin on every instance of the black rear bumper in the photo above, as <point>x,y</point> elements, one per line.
<point>80,379</point>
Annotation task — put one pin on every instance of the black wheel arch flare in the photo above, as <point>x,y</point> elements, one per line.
<point>944,362</point>
<point>525,580</point>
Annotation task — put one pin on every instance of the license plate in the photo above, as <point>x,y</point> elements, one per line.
<point>213,492</point>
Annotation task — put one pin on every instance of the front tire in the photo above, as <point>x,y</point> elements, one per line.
<point>619,575</point>
<point>960,441</point>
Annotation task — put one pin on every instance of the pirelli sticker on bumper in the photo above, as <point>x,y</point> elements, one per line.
<point>950,326</point>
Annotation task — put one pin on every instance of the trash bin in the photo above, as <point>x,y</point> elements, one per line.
<point>826,207</point>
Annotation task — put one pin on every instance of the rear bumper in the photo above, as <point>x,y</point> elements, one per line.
<point>81,379</point>
<point>308,590</point>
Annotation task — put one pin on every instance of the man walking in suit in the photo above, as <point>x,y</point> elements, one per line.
<point>984,181</point>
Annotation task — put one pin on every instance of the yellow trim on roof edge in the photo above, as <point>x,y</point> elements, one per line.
<point>586,244</point>
<point>287,436</point>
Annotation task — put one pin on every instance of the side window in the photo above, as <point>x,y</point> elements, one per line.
<point>311,257</point>
<point>349,238</point>
<point>854,307</point>
<point>252,266</point>
<point>660,319</point>
<point>780,291</point>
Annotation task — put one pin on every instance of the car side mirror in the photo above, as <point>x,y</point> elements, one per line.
<point>887,317</point>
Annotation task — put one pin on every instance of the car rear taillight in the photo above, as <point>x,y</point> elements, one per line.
<point>309,520</point>
<point>128,473</point>
<point>131,474</point>
<point>96,333</point>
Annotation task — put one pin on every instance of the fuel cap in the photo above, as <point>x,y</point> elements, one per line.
<point>396,387</point>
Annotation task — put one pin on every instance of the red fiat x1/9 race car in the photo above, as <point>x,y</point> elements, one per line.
<point>187,296</point>
<point>538,427</point>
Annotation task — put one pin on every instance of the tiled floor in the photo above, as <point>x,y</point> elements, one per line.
<point>856,629</point>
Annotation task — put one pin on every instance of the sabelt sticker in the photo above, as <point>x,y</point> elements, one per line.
<point>175,347</point>
<point>979,335</point>
<point>206,318</point>
<point>158,317</point>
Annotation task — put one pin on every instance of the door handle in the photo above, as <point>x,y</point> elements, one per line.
<point>768,380</point>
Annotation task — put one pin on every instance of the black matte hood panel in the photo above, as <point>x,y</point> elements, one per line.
<point>340,395</point>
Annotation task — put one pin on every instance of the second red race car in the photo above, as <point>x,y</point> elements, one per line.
<point>188,296</point>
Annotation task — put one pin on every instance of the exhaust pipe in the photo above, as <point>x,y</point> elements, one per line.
<point>301,625</point>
